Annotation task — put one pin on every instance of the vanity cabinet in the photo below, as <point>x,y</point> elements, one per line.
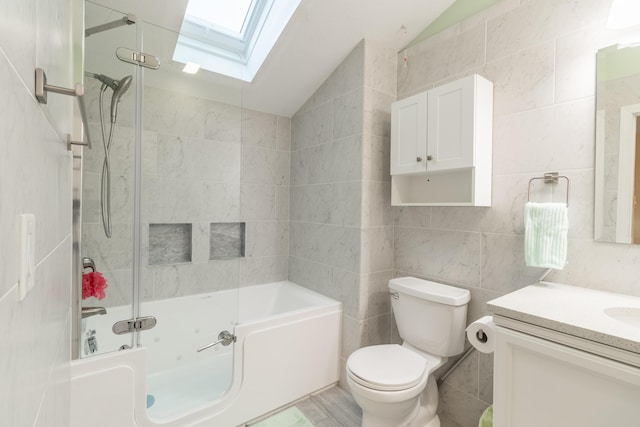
<point>566,356</point>
<point>539,382</point>
<point>441,145</point>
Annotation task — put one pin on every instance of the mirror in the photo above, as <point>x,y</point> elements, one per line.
<point>617,168</point>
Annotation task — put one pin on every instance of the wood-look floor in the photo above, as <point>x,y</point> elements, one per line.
<point>333,407</point>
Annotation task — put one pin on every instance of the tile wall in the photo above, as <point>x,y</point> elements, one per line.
<point>35,178</point>
<point>540,54</point>
<point>341,220</point>
<point>326,187</point>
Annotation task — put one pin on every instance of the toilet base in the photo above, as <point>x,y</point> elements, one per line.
<point>419,411</point>
<point>427,416</point>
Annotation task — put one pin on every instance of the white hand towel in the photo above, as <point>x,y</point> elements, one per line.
<point>545,234</point>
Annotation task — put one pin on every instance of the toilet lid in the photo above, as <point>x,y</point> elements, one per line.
<point>386,367</point>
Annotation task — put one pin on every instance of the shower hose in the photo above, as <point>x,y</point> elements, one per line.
<point>105,180</point>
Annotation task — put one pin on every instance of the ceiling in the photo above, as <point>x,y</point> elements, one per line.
<point>317,39</point>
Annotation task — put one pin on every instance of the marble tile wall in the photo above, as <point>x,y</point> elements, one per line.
<point>35,177</point>
<point>341,240</point>
<point>376,246</point>
<point>540,54</point>
<point>325,198</point>
<point>204,163</point>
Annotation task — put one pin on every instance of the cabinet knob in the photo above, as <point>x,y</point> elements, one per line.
<point>418,159</point>
<point>429,157</point>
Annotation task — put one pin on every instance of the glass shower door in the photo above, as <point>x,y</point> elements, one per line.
<point>191,234</point>
<point>172,245</point>
<point>107,196</point>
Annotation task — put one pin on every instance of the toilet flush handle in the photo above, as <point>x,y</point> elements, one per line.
<point>394,295</point>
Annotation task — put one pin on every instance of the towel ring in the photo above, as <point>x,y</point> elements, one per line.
<point>549,178</point>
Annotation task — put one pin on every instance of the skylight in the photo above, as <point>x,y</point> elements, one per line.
<point>227,14</point>
<point>232,37</point>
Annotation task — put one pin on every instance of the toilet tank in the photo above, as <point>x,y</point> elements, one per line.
<point>430,316</point>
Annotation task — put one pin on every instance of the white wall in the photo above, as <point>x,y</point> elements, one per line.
<point>35,177</point>
<point>540,54</point>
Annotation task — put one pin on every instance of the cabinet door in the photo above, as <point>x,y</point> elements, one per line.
<point>451,125</point>
<point>541,383</point>
<point>409,135</point>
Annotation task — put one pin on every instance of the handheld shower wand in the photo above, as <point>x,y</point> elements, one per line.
<point>119,87</point>
<point>112,83</point>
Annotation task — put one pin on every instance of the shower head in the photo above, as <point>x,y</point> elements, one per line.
<point>119,87</point>
<point>113,84</point>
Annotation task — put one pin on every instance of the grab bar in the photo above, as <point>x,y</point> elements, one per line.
<point>41,90</point>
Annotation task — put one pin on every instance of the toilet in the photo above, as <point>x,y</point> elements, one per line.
<point>393,383</point>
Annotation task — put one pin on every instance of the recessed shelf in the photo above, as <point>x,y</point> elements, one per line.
<point>226,240</point>
<point>169,243</point>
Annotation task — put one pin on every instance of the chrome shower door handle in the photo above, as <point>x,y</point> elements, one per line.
<point>134,325</point>
<point>225,338</point>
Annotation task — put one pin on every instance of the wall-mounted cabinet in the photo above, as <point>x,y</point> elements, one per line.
<point>441,145</point>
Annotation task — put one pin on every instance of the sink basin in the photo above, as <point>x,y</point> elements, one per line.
<point>628,315</point>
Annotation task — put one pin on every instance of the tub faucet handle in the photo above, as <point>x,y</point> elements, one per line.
<point>88,263</point>
<point>225,338</point>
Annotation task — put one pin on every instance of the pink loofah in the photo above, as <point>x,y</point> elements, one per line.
<point>93,285</point>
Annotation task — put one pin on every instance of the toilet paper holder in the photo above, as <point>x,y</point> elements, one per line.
<point>482,337</point>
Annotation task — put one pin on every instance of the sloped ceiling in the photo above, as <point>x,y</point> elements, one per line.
<point>319,36</point>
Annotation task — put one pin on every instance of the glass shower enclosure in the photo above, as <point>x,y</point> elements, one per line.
<point>160,216</point>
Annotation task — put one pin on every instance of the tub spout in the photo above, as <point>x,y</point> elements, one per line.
<point>92,311</point>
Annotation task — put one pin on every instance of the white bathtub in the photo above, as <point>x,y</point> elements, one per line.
<point>287,346</point>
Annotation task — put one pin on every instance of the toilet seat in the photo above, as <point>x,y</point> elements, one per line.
<point>386,367</point>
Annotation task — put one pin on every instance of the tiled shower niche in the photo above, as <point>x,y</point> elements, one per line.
<point>172,243</point>
<point>169,243</point>
<point>226,240</point>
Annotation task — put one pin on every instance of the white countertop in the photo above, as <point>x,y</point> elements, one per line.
<point>574,311</point>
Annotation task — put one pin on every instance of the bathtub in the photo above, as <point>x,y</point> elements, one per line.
<point>287,346</point>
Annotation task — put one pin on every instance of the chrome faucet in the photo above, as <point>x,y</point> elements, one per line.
<point>92,311</point>
<point>88,263</point>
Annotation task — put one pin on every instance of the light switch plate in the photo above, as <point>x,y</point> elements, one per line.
<point>27,254</point>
